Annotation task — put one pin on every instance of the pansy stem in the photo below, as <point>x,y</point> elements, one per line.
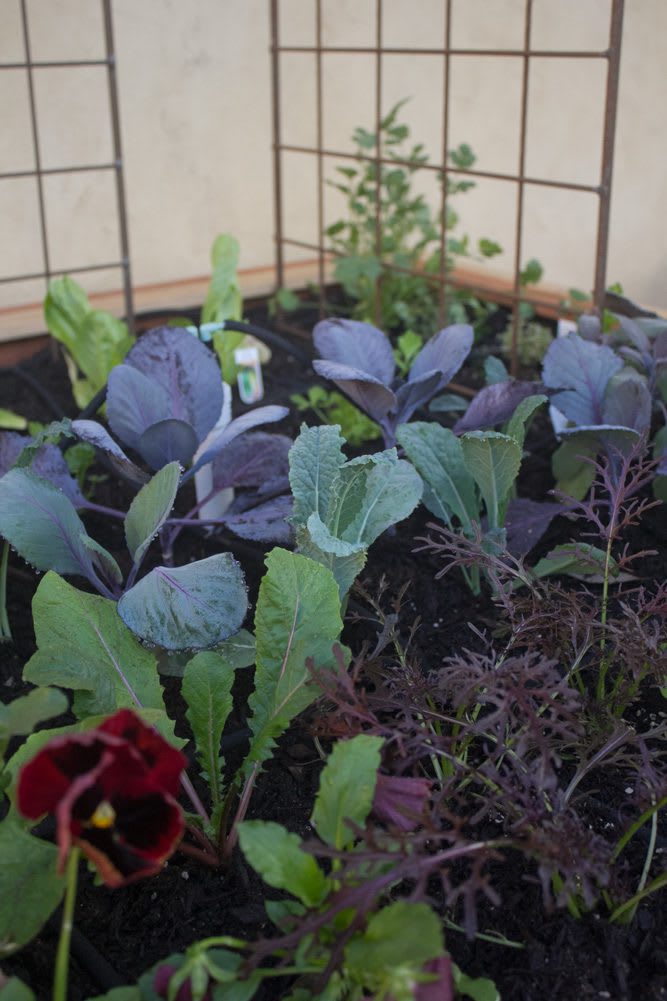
<point>66,925</point>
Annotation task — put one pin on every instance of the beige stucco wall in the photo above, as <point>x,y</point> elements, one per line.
<point>196,121</point>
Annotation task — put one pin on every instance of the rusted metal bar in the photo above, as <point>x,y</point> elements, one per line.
<point>518,232</point>
<point>277,161</point>
<point>320,158</point>
<point>442,270</point>
<point>447,50</point>
<point>53,64</point>
<point>8,279</point>
<point>11,175</point>
<point>609,133</point>
<point>378,161</point>
<point>118,162</point>
<point>35,142</point>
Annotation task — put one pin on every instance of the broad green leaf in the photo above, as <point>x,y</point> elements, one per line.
<point>83,644</point>
<point>40,522</point>
<point>238,650</point>
<point>576,560</point>
<point>195,606</point>
<point>493,460</point>
<point>15,990</point>
<point>494,370</point>
<point>477,988</point>
<point>207,689</point>
<point>30,889</point>
<point>280,860</point>
<point>437,455</point>
<point>12,421</point>
<point>297,617</point>
<point>223,299</point>
<point>401,934</point>
<point>393,490</point>
<point>150,509</point>
<point>517,424</point>
<point>345,569</point>
<point>314,459</point>
<point>326,541</point>
<point>20,717</point>
<point>572,473</point>
<point>347,787</point>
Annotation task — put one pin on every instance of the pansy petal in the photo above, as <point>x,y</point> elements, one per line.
<point>165,764</point>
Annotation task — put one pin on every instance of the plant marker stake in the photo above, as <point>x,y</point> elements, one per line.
<point>5,631</point>
<point>62,956</point>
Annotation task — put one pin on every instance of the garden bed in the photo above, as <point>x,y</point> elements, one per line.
<point>548,953</point>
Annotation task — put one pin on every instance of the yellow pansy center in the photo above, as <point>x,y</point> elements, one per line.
<point>104,816</point>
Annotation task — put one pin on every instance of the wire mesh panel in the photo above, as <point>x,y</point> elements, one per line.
<point>82,77</point>
<point>374,42</point>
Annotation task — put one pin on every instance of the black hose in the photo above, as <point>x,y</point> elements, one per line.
<point>269,338</point>
<point>39,390</point>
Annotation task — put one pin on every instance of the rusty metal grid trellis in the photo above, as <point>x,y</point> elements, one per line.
<point>444,279</point>
<point>39,172</point>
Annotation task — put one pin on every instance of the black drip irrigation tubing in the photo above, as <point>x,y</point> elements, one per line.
<point>37,388</point>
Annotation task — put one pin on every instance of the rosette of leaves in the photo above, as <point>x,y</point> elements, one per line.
<point>607,407</point>
<point>359,359</point>
<point>340,507</point>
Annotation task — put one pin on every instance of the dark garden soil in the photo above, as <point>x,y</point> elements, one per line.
<point>121,933</point>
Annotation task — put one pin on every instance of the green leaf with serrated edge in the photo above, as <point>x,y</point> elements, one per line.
<point>345,569</point>
<point>518,422</point>
<point>576,559</point>
<point>297,617</point>
<point>40,522</point>
<point>392,491</point>
<point>82,644</point>
<point>30,889</point>
<point>150,509</point>
<point>437,455</point>
<point>572,473</point>
<point>401,934</point>
<point>195,606</point>
<point>493,460</point>
<point>477,988</point>
<point>207,689</point>
<point>314,460</point>
<point>347,787</point>
<point>15,990</point>
<point>280,860</point>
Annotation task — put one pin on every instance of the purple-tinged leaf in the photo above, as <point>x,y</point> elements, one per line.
<point>445,352</point>
<point>40,522</point>
<point>635,335</point>
<point>495,404</point>
<point>262,415</point>
<point>134,402</point>
<point>251,460</point>
<point>167,441</point>
<point>357,345</point>
<point>265,523</point>
<point>628,403</point>
<point>49,463</point>
<point>589,327</point>
<point>526,522</point>
<point>186,370</point>
<point>94,434</point>
<point>584,370</point>
<point>370,394</point>
<point>195,606</point>
<point>660,348</point>
<point>412,395</point>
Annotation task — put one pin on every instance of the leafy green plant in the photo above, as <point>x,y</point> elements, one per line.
<point>334,408</point>
<point>94,340</point>
<point>410,229</point>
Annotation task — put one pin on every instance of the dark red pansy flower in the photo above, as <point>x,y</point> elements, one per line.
<point>401,800</point>
<point>112,791</point>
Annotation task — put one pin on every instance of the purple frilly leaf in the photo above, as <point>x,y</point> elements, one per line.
<point>94,434</point>
<point>445,352</point>
<point>584,370</point>
<point>265,523</point>
<point>526,522</point>
<point>49,463</point>
<point>495,404</point>
<point>186,371</point>
<point>252,460</point>
<point>372,396</point>
<point>358,345</point>
<point>262,415</point>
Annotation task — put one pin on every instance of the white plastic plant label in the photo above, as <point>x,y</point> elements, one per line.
<point>249,376</point>
<point>217,506</point>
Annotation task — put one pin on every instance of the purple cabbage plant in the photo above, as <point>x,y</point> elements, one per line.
<point>359,359</point>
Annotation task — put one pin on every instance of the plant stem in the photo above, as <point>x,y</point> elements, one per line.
<point>194,798</point>
<point>5,631</point>
<point>67,923</point>
<point>603,621</point>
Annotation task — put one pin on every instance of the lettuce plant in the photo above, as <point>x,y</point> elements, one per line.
<point>359,359</point>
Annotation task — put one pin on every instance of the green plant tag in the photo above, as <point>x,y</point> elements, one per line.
<point>347,787</point>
